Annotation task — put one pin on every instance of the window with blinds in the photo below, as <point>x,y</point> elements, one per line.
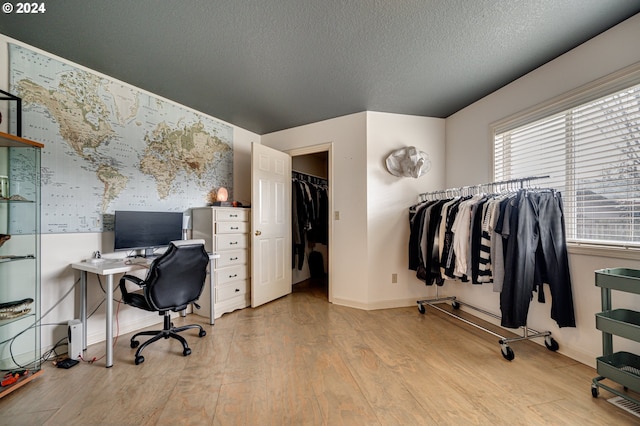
<point>591,153</point>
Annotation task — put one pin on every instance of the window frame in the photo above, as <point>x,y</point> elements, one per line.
<point>609,84</point>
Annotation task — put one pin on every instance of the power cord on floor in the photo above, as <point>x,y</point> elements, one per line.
<point>46,356</point>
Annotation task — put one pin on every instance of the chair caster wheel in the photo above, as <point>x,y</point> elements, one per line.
<point>134,344</point>
<point>186,352</point>
<point>139,359</point>
<point>202,333</point>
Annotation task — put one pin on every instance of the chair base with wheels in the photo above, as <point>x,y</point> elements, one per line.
<point>174,280</point>
<point>168,331</point>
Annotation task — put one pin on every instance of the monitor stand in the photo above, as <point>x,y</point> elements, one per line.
<point>148,253</point>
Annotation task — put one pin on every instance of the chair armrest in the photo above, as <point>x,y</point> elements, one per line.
<point>133,279</point>
<point>136,280</point>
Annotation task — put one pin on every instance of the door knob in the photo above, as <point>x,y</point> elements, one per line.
<point>258,233</point>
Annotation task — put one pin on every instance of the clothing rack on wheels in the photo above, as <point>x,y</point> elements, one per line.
<point>528,333</point>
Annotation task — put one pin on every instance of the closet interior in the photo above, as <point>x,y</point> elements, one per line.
<point>507,234</point>
<point>310,221</point>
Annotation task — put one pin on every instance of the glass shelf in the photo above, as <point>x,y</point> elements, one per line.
<point>20,254</point>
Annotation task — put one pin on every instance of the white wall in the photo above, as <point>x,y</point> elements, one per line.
<point>388,201</point>
<point>242,140</point>
<point>370,239</point>
<point>468,161</point>
<point>348,249</point>
<point>60,250</point>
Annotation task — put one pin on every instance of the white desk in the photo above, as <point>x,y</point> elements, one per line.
<point>108,269</point>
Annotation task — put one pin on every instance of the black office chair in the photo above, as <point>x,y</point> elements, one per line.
<point>174,280</point>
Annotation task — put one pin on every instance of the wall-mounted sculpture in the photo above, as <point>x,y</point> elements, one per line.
<point>408,162</point>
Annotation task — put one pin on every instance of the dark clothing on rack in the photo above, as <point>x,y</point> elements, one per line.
<point>321,230</point>
<point>424,253</point>
<point>416,215</point>
<point>532,241</point>
<point>432,264</point>
<point>537,255</point>
<point>299,221</point>
<point>310,214</point>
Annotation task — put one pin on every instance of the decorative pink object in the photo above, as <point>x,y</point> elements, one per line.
<point>223,194</point>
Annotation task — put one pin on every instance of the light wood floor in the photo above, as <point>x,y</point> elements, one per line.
<point>302,361</point>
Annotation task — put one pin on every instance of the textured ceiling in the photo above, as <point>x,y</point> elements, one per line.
<point>267,65</point>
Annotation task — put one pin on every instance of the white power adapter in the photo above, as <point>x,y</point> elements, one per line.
<point>74,334</point>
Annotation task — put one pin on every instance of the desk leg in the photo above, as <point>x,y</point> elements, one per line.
<point>109,341</point>
<point>83,307</point>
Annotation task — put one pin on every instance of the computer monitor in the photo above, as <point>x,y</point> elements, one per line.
<point>141,230</point>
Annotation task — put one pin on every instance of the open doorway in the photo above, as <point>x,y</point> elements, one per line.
<point>311,207</point>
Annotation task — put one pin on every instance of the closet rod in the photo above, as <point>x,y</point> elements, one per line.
<point>520,181</point>
<point>302,176</point>
<point>307,174</point>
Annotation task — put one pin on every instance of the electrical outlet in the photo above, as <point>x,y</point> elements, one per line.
<point>336,215</point>
<point>394,278</point>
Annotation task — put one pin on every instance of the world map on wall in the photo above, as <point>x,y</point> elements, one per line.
<point>110,146</point>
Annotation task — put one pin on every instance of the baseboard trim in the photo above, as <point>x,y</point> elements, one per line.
<point>382,304</point>
<point>138,324</point>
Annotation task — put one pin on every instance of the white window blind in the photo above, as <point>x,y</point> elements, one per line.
<point>591,151</point>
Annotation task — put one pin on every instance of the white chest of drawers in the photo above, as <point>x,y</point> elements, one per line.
<point>225,231</point>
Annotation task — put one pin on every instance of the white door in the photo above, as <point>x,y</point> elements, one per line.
<point>270,224</point>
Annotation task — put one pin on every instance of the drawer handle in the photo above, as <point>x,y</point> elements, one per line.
<point>233,258</point>
<point>233,228</point>
<point>233,276</point>
<point>233,215</point>
<point>237,290</point>
<point>233,243</point>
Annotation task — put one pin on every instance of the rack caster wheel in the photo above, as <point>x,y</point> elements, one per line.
<point>186,352</point>
<point>139,360</point>
<point>134,344</point>
<point>421,309</point>
<point>507,353</point>
<point>202,333</point>
<point>594,391</point>
<point>455,305</point>
<point>551,343</point>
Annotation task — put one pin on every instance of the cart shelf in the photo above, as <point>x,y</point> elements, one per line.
<point>621,367</point>
<point>621,322</point>
<point>621,279</point>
